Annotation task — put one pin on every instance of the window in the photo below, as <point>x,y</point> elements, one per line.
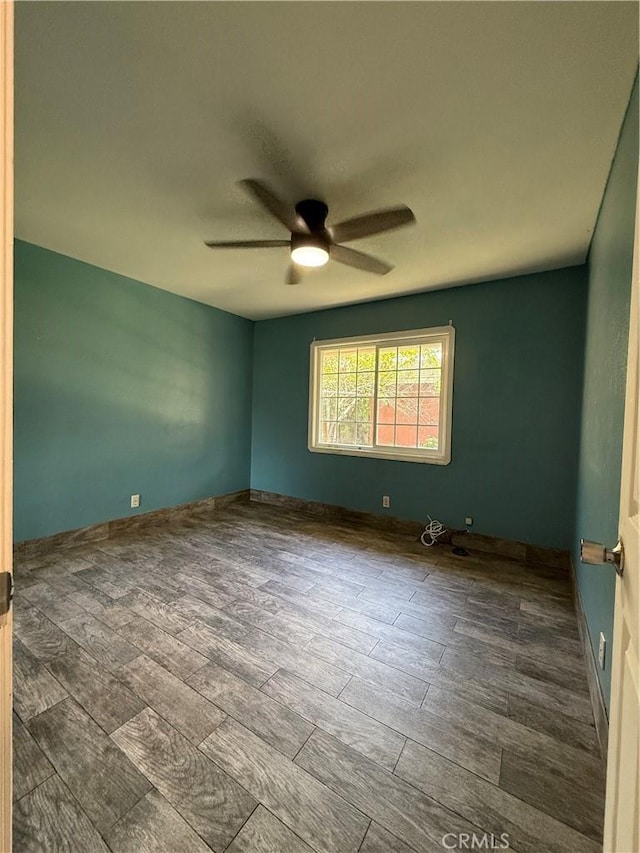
<point>387,396</point>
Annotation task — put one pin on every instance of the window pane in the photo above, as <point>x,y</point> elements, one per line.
<point>388,358</point>
<point>430,383</point>
<point>407,383</point>
<point>330,361</point>
<point>408,357</point>
<point>364,409</point>
<point>347,384</point>
<point>328,430</point>
<point>364,434</point>
<point>348,360</point>
<point>385,435</point>
<point>431,355</point>
<point>346,409</point>
<point>386,411</point>
<point>406,436</point>
<point>428,437</point>
<point>367,359</point>
<point>329,409</point>
<point>346,433</point>
<point>366,384</point>
<point>407,410</point>
<point>387,383</point>
<point>329,385</point>
<point>429,410</point>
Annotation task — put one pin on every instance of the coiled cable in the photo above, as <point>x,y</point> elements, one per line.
<point>434,529</point>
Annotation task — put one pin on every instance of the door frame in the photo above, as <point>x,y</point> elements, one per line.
<point>6,404</point>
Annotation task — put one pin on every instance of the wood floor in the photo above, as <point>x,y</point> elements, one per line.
<point>263,681</point>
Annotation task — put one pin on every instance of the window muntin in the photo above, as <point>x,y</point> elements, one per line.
<point>388,396</point>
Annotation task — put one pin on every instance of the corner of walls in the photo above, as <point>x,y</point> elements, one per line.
<point>254,325</point>
<point>609,265</point>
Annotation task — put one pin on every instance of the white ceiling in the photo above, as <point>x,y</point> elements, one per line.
<point>495,122</point>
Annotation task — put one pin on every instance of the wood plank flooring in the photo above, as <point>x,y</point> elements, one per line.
<point>260,681</point>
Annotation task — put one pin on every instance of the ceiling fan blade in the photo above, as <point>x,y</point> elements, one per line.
<point>351,258</point>
<point>247,244</point>
<point>294,275</point>
<point>372,223</point>
<point>282,211</point>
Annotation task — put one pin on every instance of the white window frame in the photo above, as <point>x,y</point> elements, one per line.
<point>441,456</point>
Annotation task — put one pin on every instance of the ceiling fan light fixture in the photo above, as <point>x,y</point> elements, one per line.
<point>309,256</point>
<point>309,251</point>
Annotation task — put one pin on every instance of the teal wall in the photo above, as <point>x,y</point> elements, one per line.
<point>610,265</point>
<point>121,388</point>
<point>517,390</point>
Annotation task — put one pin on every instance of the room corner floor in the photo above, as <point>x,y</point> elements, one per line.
<point>262,681</point>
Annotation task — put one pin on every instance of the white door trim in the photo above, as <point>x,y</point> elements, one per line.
<point>6,402</point>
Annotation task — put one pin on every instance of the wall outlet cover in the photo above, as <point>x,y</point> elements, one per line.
<point>468,521</point>
<point>135,501</point>
<point>602,647</point>
<point>386,501</point>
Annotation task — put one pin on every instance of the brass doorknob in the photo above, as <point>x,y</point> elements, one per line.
<point>597,554</point>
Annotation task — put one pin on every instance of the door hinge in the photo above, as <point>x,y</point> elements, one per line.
<point>6,592</point>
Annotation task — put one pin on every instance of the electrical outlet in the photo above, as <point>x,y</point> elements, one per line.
<point>468,521</point>
<point>386,501</point>
<point>135,501</point>
<point>602,650</point>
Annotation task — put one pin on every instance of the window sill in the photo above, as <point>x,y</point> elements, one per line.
<point>379,453</point>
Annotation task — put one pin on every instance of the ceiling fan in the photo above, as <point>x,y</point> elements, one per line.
<point>312,242</point>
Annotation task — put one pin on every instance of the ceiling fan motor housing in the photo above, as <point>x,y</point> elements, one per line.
<point>312,249</point>
<point>314,213</point>
<point>316,240</point>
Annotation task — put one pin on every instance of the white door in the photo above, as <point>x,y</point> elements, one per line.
<point>6,400</point>
<point>622,812</point>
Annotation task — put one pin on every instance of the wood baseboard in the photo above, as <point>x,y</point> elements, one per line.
<point>595,691</point>
<point>331,512</point>
<point>506,548</point>
<point>107,529</point>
